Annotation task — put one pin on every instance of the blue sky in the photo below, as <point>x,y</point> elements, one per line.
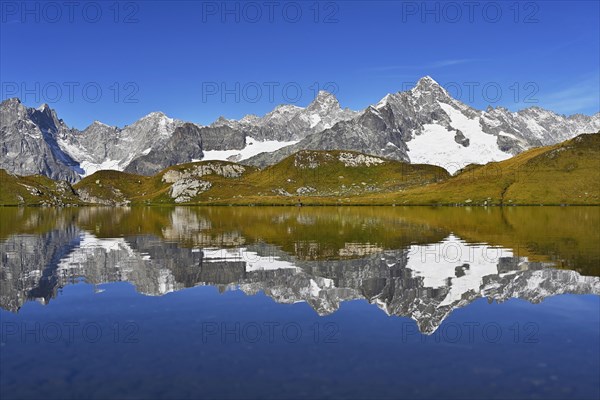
<point>199,60</point>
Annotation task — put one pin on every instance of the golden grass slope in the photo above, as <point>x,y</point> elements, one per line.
<point>566,173</point>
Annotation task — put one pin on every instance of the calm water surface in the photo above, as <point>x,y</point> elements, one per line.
<point>224,302</point>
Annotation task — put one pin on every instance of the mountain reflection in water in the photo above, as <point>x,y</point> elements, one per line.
<point>419,262</point>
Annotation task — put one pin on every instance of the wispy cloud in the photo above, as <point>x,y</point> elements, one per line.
<point>448,63</point>
<point>430,65</point>
<point>583,96</point>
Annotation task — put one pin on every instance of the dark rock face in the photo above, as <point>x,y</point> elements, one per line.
<point>461,139</point>
<point>29,142</point>
<point>222,138</point>
<point>183,146</point>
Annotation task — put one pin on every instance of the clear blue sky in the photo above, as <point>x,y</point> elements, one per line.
<point>177,57</point>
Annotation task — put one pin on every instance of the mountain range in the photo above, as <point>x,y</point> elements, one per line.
<point>421,125</point>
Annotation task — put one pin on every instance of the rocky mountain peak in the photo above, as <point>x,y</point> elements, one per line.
<point>286,108</point>
<point>324,96</point>
<point>10,102</point>
<point>157,122</point>
<point>383,102</point>
<point>427,81</point>
<point>428,86</point>
<point>44,107</point>
<point>282,114</point>
<point>46,118</point>
<point>98,127</point>
<point>99,123</point>
<point>12,110</point>
<point>250,119</point>
<point>155,115</point>
<point>324,102</point>
<point>221,121</point>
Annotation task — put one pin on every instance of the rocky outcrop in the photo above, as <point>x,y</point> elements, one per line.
<point>226,170</point>
<point>184,190</point>
<point>358,160</point>
<point>186,185</point>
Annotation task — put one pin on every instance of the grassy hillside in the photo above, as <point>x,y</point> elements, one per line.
<point>35,190</point>
<point>105,186</point>
<point>308,176</point>
<point>566,173</point>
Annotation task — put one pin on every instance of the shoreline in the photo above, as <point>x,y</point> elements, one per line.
<point>297,205</point>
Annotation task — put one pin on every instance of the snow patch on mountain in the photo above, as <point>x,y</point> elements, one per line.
<point>437,145</point>
<point>253,147</point>
<point>90,168</point>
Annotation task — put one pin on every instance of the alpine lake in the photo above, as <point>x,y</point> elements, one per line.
<point>300,302</point>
